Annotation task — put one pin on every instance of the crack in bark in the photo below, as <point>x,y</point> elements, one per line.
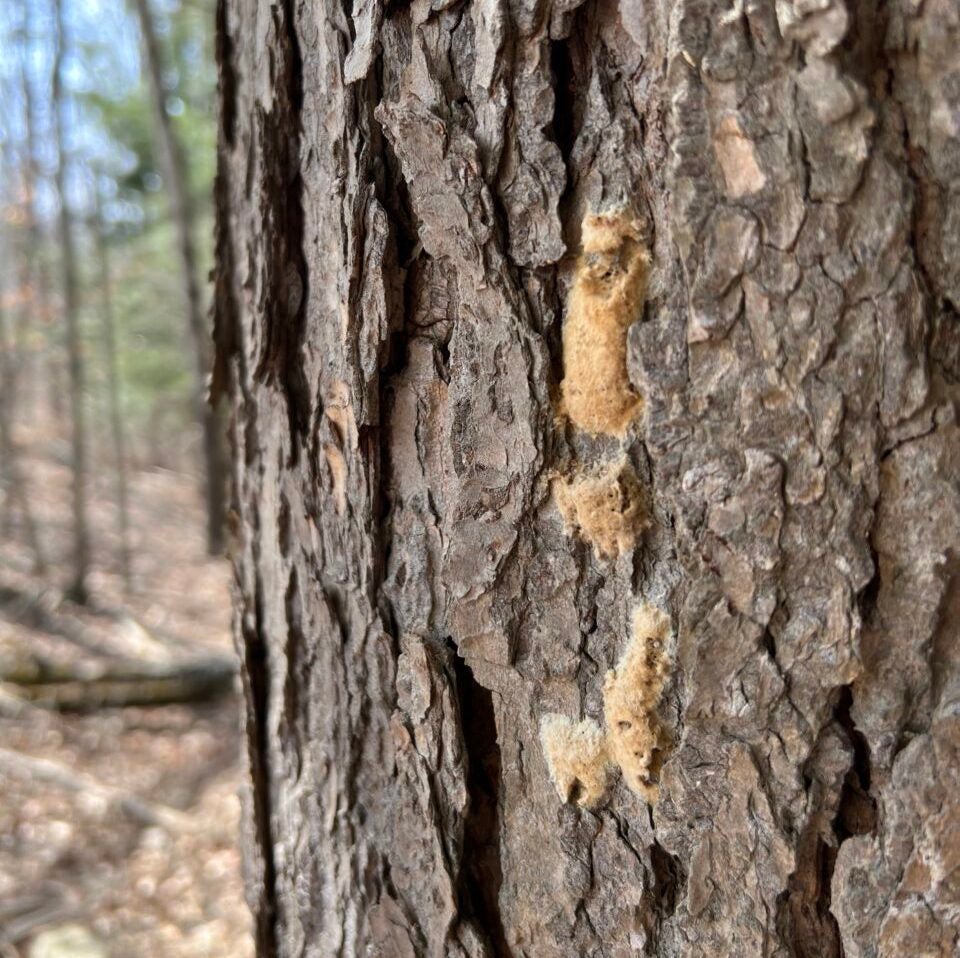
<point>805,918</point>
<point>857,813</point>
<point>478,881</point>
<point>564,127</point>
<point>256,694</point>
<point>227,77</point>
<point>944,348</point>
<point>296,680</point>
<point>669,882</point>
<point>226,321</point>
<point>401,297</point>
<point>563,130</point>
<point>286,280</point>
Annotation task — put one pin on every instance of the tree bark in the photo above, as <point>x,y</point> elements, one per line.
<point>174,168</point>
<point>78,436</point>
<point>579,618</point>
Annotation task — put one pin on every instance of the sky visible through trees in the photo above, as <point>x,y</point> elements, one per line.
<point>111,163</point>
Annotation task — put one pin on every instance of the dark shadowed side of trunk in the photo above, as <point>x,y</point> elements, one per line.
<point>584,612</point>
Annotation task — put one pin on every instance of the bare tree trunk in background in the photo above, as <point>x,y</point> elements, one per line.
<point>36,268</point>
<point>11,384</point>
<point>9,457</point>
<point>78,437</point>
<point>29,358</point>
<point>175,173</point>
<point>113,388</point>
<point>436,568</point>
<point>30,251</point>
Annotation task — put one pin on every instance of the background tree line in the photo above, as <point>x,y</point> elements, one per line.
<point>106,162</point>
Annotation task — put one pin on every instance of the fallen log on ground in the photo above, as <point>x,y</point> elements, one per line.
<point>118,633</point>
<point>112,684</point>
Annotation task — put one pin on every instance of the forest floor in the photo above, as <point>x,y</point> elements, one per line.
<point>118,826</point>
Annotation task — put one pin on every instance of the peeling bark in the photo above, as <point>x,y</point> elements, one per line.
<point>401,189</point>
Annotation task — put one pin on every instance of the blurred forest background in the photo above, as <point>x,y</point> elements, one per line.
<point>118,721</point>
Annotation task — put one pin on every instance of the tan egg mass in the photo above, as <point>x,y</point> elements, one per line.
<point>635,739</point>
<point>605,509</point>
<point>607,296</point>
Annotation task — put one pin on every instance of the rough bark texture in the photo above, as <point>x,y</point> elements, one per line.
<point>401,193</point>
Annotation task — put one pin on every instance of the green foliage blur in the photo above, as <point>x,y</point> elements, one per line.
<point>116,185</point>
<point>155,356</point>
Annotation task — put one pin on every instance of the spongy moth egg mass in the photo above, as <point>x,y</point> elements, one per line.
<point>607,296</point>
<point>636,740</point>
<point>576,754</point>
<point>580,755</point>
<point>605,509</point>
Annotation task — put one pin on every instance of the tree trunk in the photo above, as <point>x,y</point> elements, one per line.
<point>37,272</point>
<point>581,615</point>
<point>12,357</point>
<point>10,471</point>
<point>175,173</point>
<point>115,403</point>
<point>78,438</point>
